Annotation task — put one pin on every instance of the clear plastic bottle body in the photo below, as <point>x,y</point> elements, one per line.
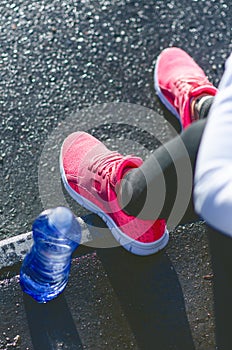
<point>45,269</point>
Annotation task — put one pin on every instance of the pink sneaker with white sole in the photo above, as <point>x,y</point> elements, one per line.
<point>178,80</point>
<point>91,174</point>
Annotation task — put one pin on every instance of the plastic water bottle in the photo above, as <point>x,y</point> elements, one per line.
<point>45,269</point>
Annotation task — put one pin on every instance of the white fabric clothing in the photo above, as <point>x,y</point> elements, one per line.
<point>213,174</point>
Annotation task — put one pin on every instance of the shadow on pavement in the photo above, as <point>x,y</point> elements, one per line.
<point>150,293</point>
<point>151,296</point>
<point>51,325</point>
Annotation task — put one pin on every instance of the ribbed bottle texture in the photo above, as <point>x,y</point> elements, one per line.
<point>45,269</point>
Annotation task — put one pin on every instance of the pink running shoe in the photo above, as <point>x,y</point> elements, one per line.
<point>179,80</point>
<point>91,174</point>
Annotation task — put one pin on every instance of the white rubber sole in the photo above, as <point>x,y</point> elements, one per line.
<point>128,243</point>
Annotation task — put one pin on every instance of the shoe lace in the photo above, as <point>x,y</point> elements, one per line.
<point>106,164</point>
<point>191,82</point>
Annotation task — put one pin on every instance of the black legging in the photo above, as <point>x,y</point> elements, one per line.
<point>162,186</point>
<point>143,188</point>
<point>221,256</point>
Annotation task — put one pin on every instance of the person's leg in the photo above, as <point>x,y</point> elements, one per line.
<point>213,201</point>
<point>92,174</point>
<point>141,188</point>
<point>221,257</point>
<point>185,90</point>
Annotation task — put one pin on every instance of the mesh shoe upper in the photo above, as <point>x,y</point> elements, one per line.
<point>95,172</point>
<point>178,80</point>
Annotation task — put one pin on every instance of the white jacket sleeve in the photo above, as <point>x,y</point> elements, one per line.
<point>213,175</point>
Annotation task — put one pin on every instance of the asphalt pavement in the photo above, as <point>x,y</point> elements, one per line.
<point>66,65</point>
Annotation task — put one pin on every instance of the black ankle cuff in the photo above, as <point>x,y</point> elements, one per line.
<point>205,107</point>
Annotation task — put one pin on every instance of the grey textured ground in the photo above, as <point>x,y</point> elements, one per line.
<point>57,57</point>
